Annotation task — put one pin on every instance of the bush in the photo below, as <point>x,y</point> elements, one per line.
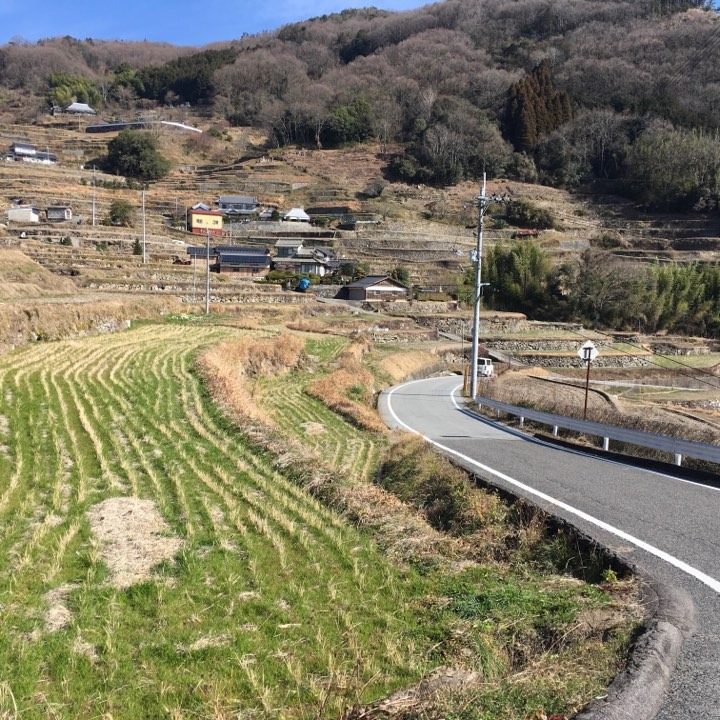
<point>524,213</point>
<point>120,214</point>
<point>374,189</point>
<point>607,241</point>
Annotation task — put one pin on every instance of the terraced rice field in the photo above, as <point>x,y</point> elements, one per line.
<point>349,451</point>
<point>151,565</point>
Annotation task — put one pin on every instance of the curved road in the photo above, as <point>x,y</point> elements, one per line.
<point>668,527</point>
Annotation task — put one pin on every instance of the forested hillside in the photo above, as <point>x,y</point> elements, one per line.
<point>557,91</point>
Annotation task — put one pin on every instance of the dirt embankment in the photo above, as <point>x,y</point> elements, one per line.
<point>37,305</point>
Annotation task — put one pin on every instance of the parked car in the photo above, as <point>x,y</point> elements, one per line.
<point>485,368</point>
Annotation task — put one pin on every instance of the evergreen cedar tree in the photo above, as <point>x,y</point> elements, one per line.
<point>134,154</point>
<point>535,108</point>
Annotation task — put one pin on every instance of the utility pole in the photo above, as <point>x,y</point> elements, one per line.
<point>194,264</point>
<point>482,207</point>
<point>143,226</point>
<point>93,198</point>
<point>207,272</point>
<point>483,202</point>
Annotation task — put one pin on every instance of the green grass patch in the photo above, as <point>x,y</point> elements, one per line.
<point>271,605</point>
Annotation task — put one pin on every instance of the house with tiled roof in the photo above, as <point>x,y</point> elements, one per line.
<point>201,220</point>
<point>374,287</point>
<point>237,204</point>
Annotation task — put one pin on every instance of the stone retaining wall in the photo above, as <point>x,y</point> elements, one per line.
<point>568,361</point>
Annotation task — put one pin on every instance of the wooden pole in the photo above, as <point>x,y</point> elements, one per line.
<point>587,384</point>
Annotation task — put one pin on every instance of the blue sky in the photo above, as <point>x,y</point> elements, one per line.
<point>179,22</point>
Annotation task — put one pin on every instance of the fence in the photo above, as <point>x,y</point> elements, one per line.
<point>679,448</point>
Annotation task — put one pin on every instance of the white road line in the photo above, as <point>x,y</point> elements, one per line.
<point>666,557</point>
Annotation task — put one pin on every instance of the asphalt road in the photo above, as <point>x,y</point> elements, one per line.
<point>667,527</point>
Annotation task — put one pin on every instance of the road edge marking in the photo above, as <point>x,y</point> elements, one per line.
<point>617,532</point>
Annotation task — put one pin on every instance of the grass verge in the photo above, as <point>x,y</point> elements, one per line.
<point>505,598</point>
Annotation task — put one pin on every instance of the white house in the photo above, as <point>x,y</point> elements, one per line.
<point>23,214</point>
<point>296,215</point>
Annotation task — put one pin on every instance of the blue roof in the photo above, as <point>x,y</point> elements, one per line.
<point>200,252</point>
<point>236,250</point>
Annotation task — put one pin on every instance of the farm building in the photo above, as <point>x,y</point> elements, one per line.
<point>25,152</point>
<point>331,212</point>
<point>287,247</point>
<point>58,213</point>
<point>23,214</point>
<point>20,150</point>
<point>374,287</point>
<point>77,108</point>
<point>200,253</point>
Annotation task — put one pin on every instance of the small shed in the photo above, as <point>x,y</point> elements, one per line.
<point>296,215</point>
<point>374,287</point>
<point>58,213</point>
<point>23,214</point>
<point>22,150</point>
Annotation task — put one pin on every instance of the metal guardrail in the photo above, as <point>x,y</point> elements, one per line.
<point>679,448</point>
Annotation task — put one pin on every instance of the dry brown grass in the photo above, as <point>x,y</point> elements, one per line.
<point>232,367</point>
<point>21,277</point>
<point>133,536</point>
<point>354,353</point>
<point>67,318</point>
<point>312,325</point>
<point>402,365</point>
<point>335,391</point>
<point>255,357</point>
<point>521,388</point>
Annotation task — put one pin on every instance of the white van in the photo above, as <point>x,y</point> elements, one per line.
<point>485,368</point>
